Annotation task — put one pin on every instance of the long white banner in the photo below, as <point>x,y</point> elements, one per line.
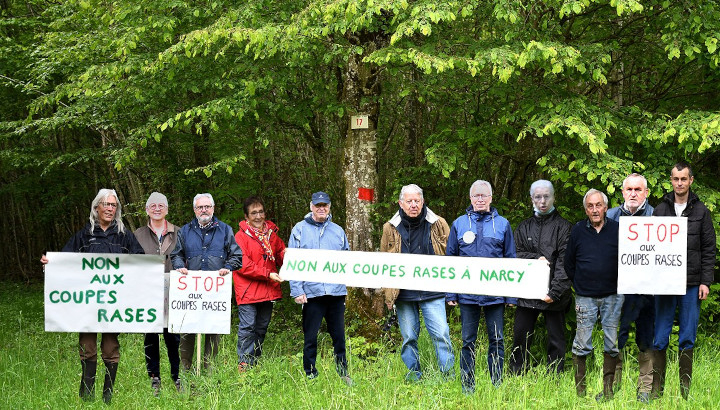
<point>524,278</point>
<point>199,302</point>
<point>652,256</point>
<point>94,292</point>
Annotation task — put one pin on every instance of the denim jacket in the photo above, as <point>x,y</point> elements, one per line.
<point>309,234</point>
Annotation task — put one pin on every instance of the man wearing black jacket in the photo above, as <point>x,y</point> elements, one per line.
<point>543,236</point>
<point>700,265</point>
<point>104,233</point>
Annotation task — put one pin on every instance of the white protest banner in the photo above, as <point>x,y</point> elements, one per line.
<point>104,292</point>
<point>525,278</point>
<point>199,302</point>
<point>652,255</point>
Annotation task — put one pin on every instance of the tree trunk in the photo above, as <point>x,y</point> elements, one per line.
<point>361,91</point>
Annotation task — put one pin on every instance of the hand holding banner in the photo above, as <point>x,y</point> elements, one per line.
<point>525,278</point>
<point>652,257</point>
<point>199,302</point>
<point>110,293</point>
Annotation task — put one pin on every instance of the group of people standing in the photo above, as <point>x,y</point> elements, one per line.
<point>583,256</point>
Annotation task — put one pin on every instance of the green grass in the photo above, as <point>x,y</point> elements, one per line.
<point>41,370</point>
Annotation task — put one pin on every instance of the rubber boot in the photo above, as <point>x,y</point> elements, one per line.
<point>617,380</point>
<point>659,364</point>
<point>87,380</point>
<point>685,362</point>
<point>645,376</point>
<point>580,364</point>
<point>110,373</point>
<point>609,366</point>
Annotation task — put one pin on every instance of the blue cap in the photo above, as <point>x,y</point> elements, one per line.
<point>320,198</point>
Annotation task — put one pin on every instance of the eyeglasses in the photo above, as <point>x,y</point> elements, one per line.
<point>413,201</point>
<point>541,197</point>
<point>480,196</point>
<point>159,207</point>
<point>109,204</point>
<point>257,213</point>
<point>204,207</point>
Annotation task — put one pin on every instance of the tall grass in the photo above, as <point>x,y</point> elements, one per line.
<point>41,370</point>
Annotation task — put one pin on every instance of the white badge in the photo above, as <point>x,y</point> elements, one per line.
<point>469,237</point>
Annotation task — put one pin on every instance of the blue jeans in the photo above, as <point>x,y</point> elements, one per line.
<point>688,306</point>
<point>252,327</point>
<point>433,312</point>
<point>586,310</point>
<point>494,321</point>
<point>641,310</point>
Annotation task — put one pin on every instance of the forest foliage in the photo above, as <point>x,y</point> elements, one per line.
<point>238,98</point>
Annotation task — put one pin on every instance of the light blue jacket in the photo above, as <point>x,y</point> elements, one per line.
<point>493,239</point>
<point>308,234</point>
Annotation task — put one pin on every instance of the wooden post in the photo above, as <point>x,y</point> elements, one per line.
<point>197,351</point>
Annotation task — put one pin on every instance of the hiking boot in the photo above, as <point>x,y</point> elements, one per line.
<point>155,384</point>
<point>347,380</point>
<point>179,386</point>
<point>468,389</point>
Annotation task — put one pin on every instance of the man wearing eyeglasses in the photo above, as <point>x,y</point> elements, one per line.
<point>159,237</point>
<point>104,233</point>
<point>208,244</point>
<point>416,229</point>
<point>639,309</point>
<point>481,232</point>
<point>591,262</point>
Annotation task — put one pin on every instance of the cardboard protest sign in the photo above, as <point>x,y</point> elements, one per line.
<point>199,302</point>
<point>111,293</point>
<point>652,255</point>
<point>525,278</point>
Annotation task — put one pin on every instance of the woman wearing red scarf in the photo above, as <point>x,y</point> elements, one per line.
<point>257,284</point>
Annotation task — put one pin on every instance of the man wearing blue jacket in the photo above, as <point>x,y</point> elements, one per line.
<point>320,300</point>
<point>639,309</point>
<point>481,232</point>
<point>206,244</point>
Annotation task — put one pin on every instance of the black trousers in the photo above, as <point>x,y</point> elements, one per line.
<point>152,353</point>
<point>332,308</point>
<point>524,328</point>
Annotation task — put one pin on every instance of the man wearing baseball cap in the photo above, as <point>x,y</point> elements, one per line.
<point>320,300</point>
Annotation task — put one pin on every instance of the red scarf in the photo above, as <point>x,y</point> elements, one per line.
<point>262,236</point>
